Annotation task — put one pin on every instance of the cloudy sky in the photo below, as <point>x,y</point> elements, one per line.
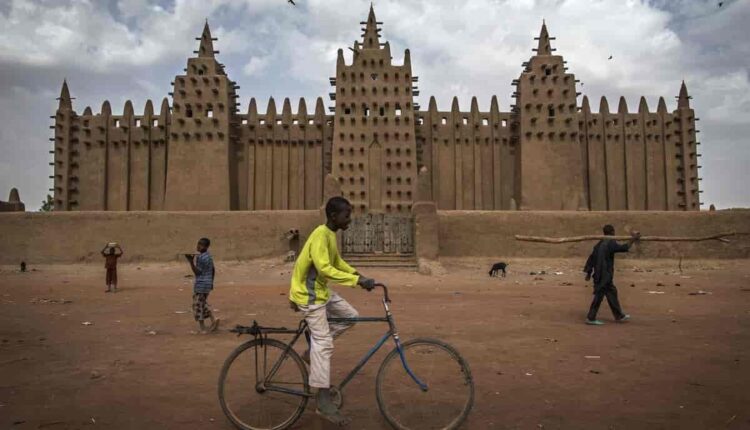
<point>131,49</point>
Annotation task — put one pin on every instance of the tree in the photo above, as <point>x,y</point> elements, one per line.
<point>48,205</point>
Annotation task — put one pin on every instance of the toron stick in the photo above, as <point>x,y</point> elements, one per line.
<point>544,239</point>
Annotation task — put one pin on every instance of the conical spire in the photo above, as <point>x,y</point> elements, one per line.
<point>683,100</point>
<point>371,39</point>
<point>206,48</point>
<point>544,47</point>
<point>14,197</point>
<point>64,98</point>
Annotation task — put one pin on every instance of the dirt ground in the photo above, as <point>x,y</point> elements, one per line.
<point>682,362</point>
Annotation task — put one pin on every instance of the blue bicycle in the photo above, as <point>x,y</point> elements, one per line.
<point>422,383</point>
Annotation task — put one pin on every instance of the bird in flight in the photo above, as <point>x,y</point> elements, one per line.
<point>292,2</point>
<point>721,3</point>
<point>610,57</point>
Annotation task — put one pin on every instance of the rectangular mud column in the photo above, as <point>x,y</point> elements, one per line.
<point>426,230</point>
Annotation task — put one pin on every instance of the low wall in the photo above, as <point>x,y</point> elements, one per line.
<point>59,237</point>
<point>160,236</point>
<point>491,233</point>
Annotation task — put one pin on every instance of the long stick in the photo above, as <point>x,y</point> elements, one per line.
<point>544,239</point>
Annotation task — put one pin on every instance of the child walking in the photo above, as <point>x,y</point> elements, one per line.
<point>110,263</point>
<point>202,265</point>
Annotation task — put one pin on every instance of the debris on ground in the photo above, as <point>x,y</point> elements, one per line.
<point>50,301</point>
<point>656,292</point>
<point>95,374</point>
<point>532,273</point>
<point>592,357</point>
<point>188,276</point>
<point>550,339</point>
<point>180,312</point>
<point>632,285</point>
<point>677,284</point>
<point>87,323</point>
<point>151,332</point>
<point>699,293</point>
<point>538,278</point>
<point>659,284</point>
<point>595,371</point>
<point>566,284</point>
<point>559,273</point>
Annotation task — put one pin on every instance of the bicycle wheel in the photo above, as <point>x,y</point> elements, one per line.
<point>252,404</point>
<point>449,396</point>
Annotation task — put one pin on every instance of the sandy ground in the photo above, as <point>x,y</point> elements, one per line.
<point>682,362</point>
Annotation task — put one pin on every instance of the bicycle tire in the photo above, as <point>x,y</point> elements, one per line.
<point>286,423</point>
<point>452,353</point>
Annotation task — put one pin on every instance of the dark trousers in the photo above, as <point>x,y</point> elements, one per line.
<point>610,292</point>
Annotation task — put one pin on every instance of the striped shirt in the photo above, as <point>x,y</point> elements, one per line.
<point>204,280</point>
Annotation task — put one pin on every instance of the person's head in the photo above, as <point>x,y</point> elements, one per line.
<point>203,244</point>
<point>338,213</point>
<point>111,250</point>
<point>609,230</point>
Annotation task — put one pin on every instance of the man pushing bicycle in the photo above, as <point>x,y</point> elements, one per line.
<point>318,264</point>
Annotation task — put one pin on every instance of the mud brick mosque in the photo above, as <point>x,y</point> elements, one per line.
<point>547,152</point>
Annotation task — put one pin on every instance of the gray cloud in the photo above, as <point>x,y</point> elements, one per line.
<point>131,49</point>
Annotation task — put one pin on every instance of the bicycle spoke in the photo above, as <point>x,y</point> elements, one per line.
<point>247,393</point>
<point>447,399</point>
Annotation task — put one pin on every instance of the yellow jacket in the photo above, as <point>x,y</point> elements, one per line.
<point>318,263</point>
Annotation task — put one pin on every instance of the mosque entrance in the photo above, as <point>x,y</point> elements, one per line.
<point>379,233</point>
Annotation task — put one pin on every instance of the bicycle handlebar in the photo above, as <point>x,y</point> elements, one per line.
<point>385,291</point>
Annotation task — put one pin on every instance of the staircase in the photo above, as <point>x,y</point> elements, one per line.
<point>388,261</point>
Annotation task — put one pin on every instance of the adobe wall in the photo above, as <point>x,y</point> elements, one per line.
<point>472,233</point>
<point>65,237</point>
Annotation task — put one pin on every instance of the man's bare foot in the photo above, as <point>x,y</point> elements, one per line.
<point>214,326</point>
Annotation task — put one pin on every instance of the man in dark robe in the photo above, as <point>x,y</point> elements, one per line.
<point>602,263</point>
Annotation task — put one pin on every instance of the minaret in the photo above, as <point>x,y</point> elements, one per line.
<point>206,47</point>
<point>374,145</point>
<point>543,48</point>
<point>549,163</point>
<point>688,189</point>
<point>62,149</point>
<point>371,36</point>
<point>202,135</point>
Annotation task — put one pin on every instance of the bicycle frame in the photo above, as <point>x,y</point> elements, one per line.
<point>268,383</point>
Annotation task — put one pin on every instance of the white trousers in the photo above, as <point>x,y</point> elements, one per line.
<point>322,334</point>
